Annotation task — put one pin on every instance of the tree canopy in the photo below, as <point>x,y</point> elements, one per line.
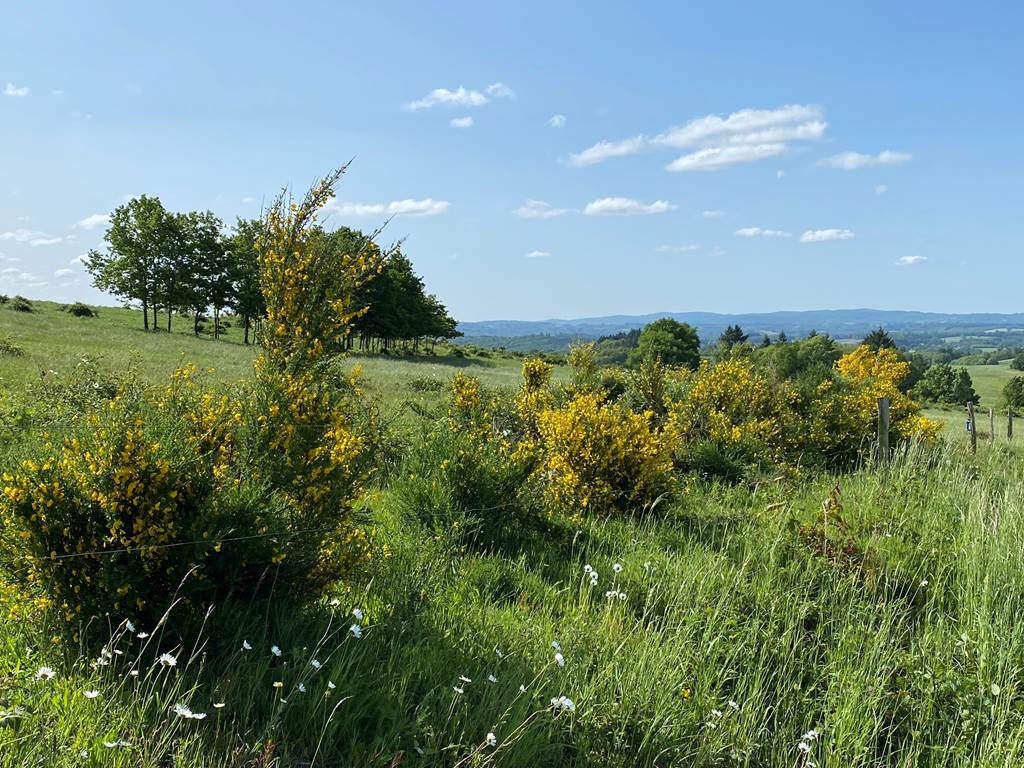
<point>668,340</point>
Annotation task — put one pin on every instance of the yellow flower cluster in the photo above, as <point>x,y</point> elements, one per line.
<point>733,404</point>
<point>595,456</point>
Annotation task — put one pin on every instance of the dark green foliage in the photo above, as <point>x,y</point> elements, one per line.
<point>463,490</point>
<point>9,349</point>
<point>808,360</point>
<point>732,336</point>
<point>942,383</point>
<point>20,304</point>
<point>78,309</point>
<point>1017,363</point>
<point>879,339</point>
<point>668,340</point>
<point>1014,392</point>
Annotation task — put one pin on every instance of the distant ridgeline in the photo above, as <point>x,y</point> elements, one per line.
<point>914,330</point>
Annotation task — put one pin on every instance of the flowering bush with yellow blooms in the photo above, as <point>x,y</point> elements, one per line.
<point>218,492</point>
<point>843,415</point>
<point>735,407</point>
<point>594,456</point>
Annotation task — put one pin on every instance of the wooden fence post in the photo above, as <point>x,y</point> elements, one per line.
<point>972,427</point>
<point>883,429</point>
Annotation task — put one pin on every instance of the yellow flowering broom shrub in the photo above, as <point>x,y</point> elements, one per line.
<point>843,416</point>
<point>593,456</point>
<point>236,492</point>
<point>735,407</point>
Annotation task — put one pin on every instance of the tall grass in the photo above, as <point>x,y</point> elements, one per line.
<point>884,617</point>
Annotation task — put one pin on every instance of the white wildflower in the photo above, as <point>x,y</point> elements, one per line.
<point>91,694</point>
<point>734,705</point>
<point>302,688</point>
<point>167,660</point>
<point>356,630</point>
<point>458,690</point>
<point>219,705</point>
<point>142,635</point>
<point>491,739</point>
<point>556,645</point>
<point>335,603</point>
<point>358,614</point>
<point>716,712</point>
<point>617,567</point>
<point>275,650</point>
<point>560,659</point>
<point>562,703</point>
<point>492,679</point>
<point>331,685</point>
<point>116,744</point>
<point>465,679</point>
<point>315,664</point>
<point>587,569</point>
<point>522,689</point>
<point>804,747</point>
<point>622,596</point>
<point>246,646</point>
<point>45,673</point>
<point>129,625</point>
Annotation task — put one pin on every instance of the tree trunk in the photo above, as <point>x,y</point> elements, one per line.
<point>169,316</point>
<point>245,324</point>
<point>216,322</point>
<point>195,323</point>
<point>145,315</point>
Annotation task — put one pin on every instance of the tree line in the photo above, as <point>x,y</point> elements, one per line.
<point>191,264</point>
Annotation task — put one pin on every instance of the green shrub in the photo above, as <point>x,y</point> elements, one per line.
<point>426,384</point>
<point>20,304</point>
<point>462,488</point>
<point>1014,392</point>
<point>9,349</point>
<point>78,309</point>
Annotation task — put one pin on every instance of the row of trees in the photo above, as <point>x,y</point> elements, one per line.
<point>191,264</point>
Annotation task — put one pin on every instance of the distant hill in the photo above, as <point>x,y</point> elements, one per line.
<point>908,327</point>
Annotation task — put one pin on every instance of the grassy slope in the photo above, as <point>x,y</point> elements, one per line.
<point>900,640</point>
<point>56,341</point>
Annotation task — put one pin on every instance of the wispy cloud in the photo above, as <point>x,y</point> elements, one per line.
<point>93,221</point>
<point>15,91</point>
<point>556,121</point>
<point>677,248</point>
<point>425,207</point>
<point>248,200</point>
<point>63,272</point>
<point>851,161</point>
<point>712,214</point>
<point>461,122</point>
<point>741,137</point>
<point>881,189</point>
<point>625,206</point>
<point>910,261</point>
<point>537,254</point>
<point>758,232</point>
<point>461,97</point>
<point>722,157</point>
<point>825,235</point>
<point>30,236</point>
<point>538,209</point>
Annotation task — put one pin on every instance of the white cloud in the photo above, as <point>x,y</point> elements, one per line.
<point>825,235</point>
<point>425,207</point>
<point>15,91</point>
<point>722,157</point>
<point>851,161</point>
<point>625,206</point>
<point>677,248</point>
<point>461,122</point>
<point>63,272</point>
<point>500,91</point>
<point>538,209</point>
<point>881,189</point>
<point>779,174</point>
<point>94,221</point>
<point>461,97</point>
<point>556,121</point>
<point>79,259</point>
<point>758,232</point>
<point>30,236</point>
<point>537,254</point>
<point>909,261</point>
<point>9,271</point>
<point>248,200</point>
<point>763,132</point>
<point>712,214</point>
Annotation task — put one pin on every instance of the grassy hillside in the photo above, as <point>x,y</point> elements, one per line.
<point>799,618</point>
<point>54,341</point>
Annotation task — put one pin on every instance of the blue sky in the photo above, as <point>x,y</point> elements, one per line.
<point>710,156</point>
